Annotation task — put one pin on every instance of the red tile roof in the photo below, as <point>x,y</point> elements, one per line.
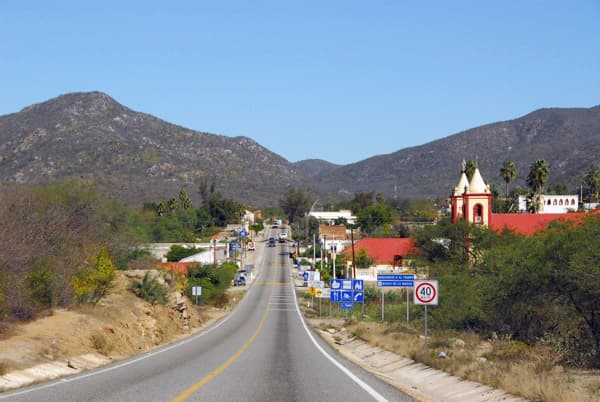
<point>383,251</point>
<point>528,224</point>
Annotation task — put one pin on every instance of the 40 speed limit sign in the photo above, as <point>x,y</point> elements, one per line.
<point>426,293</point>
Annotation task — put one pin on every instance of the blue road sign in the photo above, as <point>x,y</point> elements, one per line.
<point>335,284</point>
<point>358,284</point>
<point>346,305</point>
<point>347,296</point>
<point>235,246</point>
<point>395,277</point>
<point>359,297</point>
<point>305,275</point>
<point>243,233</point>
<point>347,284</point>
<point>402,284</point>
<point>335,296</point>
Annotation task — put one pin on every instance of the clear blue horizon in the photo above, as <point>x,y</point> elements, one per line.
<point>338,80</point>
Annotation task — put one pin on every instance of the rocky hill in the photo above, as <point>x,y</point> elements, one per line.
<point>313,168</point>
<point>568,139</point>
<point>139,158</point>
<point>135,156</point>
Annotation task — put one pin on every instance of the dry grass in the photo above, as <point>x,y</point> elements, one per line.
<point>519,369</point>
<point>101,342</point>
<point>4,367</point>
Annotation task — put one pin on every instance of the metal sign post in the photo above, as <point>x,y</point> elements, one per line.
<point>407,311</point>
<point>382,306</point>
<point>425,294</point>
<point>196,291</point>
<point>426,339</point>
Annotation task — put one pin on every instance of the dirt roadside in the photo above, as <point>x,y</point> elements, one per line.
<point>119,326</point>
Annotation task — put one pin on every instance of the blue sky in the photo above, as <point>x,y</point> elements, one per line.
<point>334,80</point>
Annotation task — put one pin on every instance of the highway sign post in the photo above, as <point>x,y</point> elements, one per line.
<point>347,292</point>
<point>395,280</point>
<point>426,294</point>
<point>196,291</point>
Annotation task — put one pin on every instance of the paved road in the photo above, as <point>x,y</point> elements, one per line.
<point>261,352</point>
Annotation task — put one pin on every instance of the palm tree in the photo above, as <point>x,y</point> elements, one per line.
<point>538,175</point>
<point>534,202</point>
<point>161,208</point>
<point>470,167</point>
<point>172,204</point>
<point>592,183</point>
<point>184,199</point>
<point>508,172</point>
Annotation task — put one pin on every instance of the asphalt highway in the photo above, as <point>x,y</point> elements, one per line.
<point>262,351</point>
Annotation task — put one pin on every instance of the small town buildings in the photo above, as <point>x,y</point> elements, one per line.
<point>331,217</point>
<point>472,201</point>
<point>552,204</point>
<point>335,237</point>
<point>388,255</point>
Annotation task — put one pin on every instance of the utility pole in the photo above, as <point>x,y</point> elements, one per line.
<point>333,251</point>
<point>353,262</point>
<point>314,253</point>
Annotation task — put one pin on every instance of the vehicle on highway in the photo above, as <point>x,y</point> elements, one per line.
<point>282,237</point>
<point>239,279</point>
<point>271,242</point>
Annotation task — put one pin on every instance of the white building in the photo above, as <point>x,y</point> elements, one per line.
<point>552,204</point>
<point>329,217</point>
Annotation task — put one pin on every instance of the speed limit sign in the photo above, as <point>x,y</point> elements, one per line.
<point>426,293</point>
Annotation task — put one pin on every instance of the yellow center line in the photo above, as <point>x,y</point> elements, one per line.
<point>271,283</point>
<point>186,394</point>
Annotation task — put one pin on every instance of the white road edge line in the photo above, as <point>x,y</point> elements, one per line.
<point>76,377</point>
<point>376,395</point>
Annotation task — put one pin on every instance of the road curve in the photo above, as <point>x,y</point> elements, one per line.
<point>262,351</point>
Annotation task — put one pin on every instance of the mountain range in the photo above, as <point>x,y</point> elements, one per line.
<point>139,158</point>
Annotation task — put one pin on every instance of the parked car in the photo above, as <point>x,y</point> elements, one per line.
<point>239,280</point>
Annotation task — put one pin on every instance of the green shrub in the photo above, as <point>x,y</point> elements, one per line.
<point>214,280</point>
<point>150,289</point>
<point>41,285</point>
<point>123,259</point>
<point>92,284</point>
<point>178,252</point>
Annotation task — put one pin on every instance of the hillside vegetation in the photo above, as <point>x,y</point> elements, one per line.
<point>63,242</point>
<point>136,157</point>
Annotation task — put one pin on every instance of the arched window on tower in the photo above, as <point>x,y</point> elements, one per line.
<point>478,213</point>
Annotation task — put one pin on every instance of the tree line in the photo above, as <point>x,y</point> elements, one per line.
<point>536,180</point>
<point>538,289</point>
<point>63,242</point>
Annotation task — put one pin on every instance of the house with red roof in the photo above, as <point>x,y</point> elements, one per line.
<point>388,254</point>
<point>472,201</point>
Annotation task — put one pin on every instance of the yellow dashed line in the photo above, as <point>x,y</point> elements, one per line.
<point>271,283</point>
<point>188,392</point>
